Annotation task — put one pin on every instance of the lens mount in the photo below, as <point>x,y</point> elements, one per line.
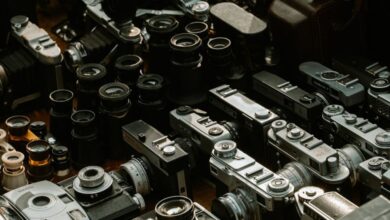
<point>175,208</point>
<point>18,124</point>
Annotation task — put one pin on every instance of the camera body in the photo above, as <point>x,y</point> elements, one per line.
<point>30,51</point>
<point>170,163</point>
<point>103,195</point>
<point>196,125</point>
<point>345,89</point>
<point>374,173</point>
<point>254,120</point>
<point>378,99</point>
<point>235,169</point>
<point>301,105</point>
<point>345,127</point>
<point>298,145</point>
<point>45,200</point>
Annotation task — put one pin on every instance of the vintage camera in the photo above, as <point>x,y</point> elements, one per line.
<point>178,207</point>
<point>298,145</point>
<point>374,173</point>
<point>96,191</point>
<point>30,51</point>
<point>378,99</point>
<point>345,89</point>
<point>254,120</point>
<point>361,67</point>
<point>342,126</point>
<point>248,38</point>
<point>301,106</point>
<point>169,162</point>
<point>114,27</point>
<point>313,203</point>
<point>254,185</point>
<point>196,125</point>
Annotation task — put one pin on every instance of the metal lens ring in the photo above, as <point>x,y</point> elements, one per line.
<point>330,75</point>
<point>298,175</point>
<point>61,95</point>
<point>136,169</point>
<point>150,82</point>
<point>12,160</point>
<point>225,149</point>
<point>185,42</point>
<point>129,62</point>
<point>91,72</point>
<point>197,27</point>
<point>219,43</point>
<point>232,206</point>
<point>115,91</point>
<point>162,24</point>
<point>91,176</point>
<point>380,84</point>
<point>175,207</point>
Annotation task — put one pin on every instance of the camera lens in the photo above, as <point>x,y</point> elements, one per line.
<point>219,46</point>
<point>138,171</point>
<point>39,129</point>
<point>199,28</point>
<point>62,100</point>
<point>150,87</point>
<point>298,175</point>
<point>185,43</point>
<point>39,160</point>
<point>17,125</point>
<point>162,24</point>
<point>38,150</point>
<point>83,121</point>
<point>380,85</point>
<point>61,160</point>
<point>90,78</point>
<point>234,205</point>
<point>13,160</point>
<point>91,177</point>
<point>41,201</point>
<point>115,95</point>
<point>129,68</point>
<point>62,107</point>
<point>175,208</point>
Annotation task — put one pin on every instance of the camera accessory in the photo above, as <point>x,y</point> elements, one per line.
<point>199,28</point>
<point>96,191</point>
<point>195,125</point>
<point>297,173</point>
<point>236,169</point>
<point>349,128</point>
<point>222,61</point>
<point>39,161</point>
<point>298,145</point>
<point>61,109</point>
<point>90,77</point>
<point>378,98</point>
<point>39,129</point>
<point>86,148</point>
<point>252,117</point>
<point>13,171</point>
<point>114,112</point>
<point>343,88</point>
<point>19,134</point>
<point>151,102</point>
<point>128,69</point>
<point>361,67</point>
<point>235,205</point>
<point>4,145</point>
<point>19,66</point>
<point>178,207</point>
<point>305,107</point>
<point>170,162</point>
<point>161,28</point>
<point>45,200</point>
<point>186,80</point>
<point>61,160</point>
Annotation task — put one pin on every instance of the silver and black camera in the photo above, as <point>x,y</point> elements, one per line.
<point>345,89</point>
<point>299,105</point>
<point>378,99</point>
<point>104,195</point>
<point>163,160</point>
<point>342,126</point>
<point>254,120</point>
<point>375,174</point>
<point>30,66</point>
<point>295,143</point>
<point>178,207</point>
<point>196,125</point>
<point>313,203</point>
<point>251,185</point>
